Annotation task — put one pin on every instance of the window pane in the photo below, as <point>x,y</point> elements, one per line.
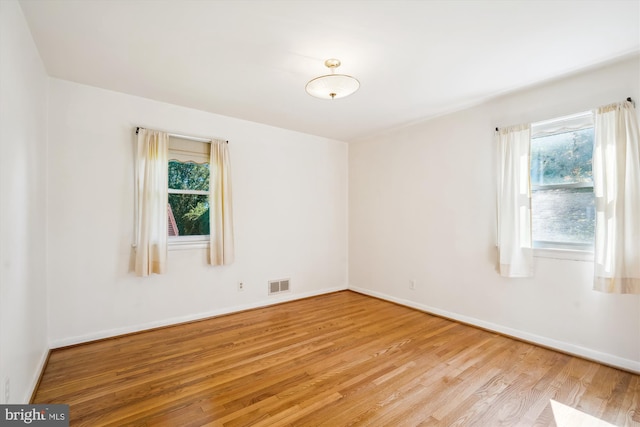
<point>188,176</point>
<point>563,215</point>
<point>191,214</point>
<point>563,158</point>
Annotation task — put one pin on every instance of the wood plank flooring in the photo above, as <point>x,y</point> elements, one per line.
<point>341,359</point>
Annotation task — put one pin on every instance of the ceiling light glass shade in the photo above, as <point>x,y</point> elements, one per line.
<point>332,86</point>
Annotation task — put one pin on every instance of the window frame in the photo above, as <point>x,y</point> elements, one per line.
<point>564,124</point>
<point>201,241</point>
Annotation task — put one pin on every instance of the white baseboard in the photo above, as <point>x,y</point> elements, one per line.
<point>63,342</point>
<point>586,353</point>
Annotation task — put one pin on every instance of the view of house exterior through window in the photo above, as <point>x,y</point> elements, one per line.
<point>562,199</point>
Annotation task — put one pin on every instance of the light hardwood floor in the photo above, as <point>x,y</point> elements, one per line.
<point>333,360</point>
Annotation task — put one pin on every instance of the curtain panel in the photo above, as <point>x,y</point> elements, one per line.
<point>616,176</point>
<point>514,202</point>
<point>151,202</point>
<point>221,248</point>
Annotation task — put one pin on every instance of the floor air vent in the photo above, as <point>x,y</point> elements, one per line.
<point>277,286</point>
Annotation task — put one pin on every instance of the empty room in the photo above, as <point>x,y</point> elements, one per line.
<point>306,213</point>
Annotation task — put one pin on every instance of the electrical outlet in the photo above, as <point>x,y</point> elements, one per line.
<point>240,286</point>
<point>7,390</point>
<point>412,284</point>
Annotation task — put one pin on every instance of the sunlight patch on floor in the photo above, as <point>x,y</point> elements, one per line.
<point>566,416</point>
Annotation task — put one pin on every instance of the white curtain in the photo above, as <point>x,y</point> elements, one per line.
<point>152,199</point>
<point>220,206</point>
<point>616,173</point>
<point>514,202</point>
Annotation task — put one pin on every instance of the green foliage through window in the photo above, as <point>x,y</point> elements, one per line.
<point>188,176</point>
<point>190,205</point>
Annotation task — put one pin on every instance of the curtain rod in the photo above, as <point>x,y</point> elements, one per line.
<point>190,138</point>
<point>628,100</point>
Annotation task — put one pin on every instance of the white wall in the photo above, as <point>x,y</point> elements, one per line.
<point>23,150</point>
<point>422,206</point>
<point>290,206</point>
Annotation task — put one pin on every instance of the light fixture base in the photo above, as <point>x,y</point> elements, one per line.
<point>332,63</point>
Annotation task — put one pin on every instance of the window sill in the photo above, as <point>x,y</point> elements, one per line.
<point>177,245</point>
<point>568,254</point>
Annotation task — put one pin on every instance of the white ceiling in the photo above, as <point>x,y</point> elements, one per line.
<point>251,59</point>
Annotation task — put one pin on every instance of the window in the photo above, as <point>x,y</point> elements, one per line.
<point>562,198</point>
<point>188,188</point>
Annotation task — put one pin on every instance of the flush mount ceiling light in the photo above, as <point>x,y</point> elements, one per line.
<point>332,86</point>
